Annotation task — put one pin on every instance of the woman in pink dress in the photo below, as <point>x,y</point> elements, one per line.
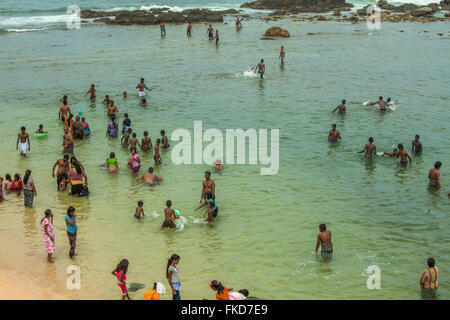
<point>48,234</point>
<point>135,162</point>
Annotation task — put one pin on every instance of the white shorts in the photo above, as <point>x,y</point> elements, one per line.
<point>141,94</point>
<point>23,147</point>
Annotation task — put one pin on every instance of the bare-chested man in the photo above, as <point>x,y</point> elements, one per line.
<point>369,150</point>
<point>134,141</point>
<point>208,186</point>
<point>67,141</point>
<point>64,111</point>
<point>78,129</point>
<point>149,177</point>
<point>282,54</point>
<point>22,138</point>
<point>324,240</point>
<point>341,107</point>
<point>156,155</point>
<point>168,216</point>
<point>189,29</point>
<point>146,142</point>
<point>106,100</point>
<point>164,140</point>
<point>416,145</point>
<point>92,91</point>
<point>403,155</point>
<point>383,104</point>
<point>141,86</point>
<point>334,134</point>
<point>434,174</point>
<point>393,154</point>
<point>63,170</point>
<point>112,109</point>
<point>261,68</point>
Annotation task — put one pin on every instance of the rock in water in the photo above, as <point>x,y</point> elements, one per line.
<point>277,32</point>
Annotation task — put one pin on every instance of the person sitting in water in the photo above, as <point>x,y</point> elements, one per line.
<point>370,150</point>
<point>111,163</point>
<point>168,216</point>
<point>150,178</point>
<point>324,240</point>
<point>341,107</point>
<point>139,210</point>
<point>218,166</point>
<point>41,129</point>
<point>434,174</point>
<point>429,280</point>
<point>416,145</point>
<point>143,103</point>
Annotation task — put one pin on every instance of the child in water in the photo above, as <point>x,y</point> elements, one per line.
<point>211,204</point>
<point>139,209</point>
<point>41,129</point>
<point>86,127</point>
<point>135,162</point>
<point>7,183</point>
<point>16,185</point>
<point>111,163</point>
<point>1,189</point>
<point>143,102</point>
<point>168,216</point>
<point>121,274</point>
<point>222,291</point>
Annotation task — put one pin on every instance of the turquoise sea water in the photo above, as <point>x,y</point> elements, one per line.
<point>379,213</point>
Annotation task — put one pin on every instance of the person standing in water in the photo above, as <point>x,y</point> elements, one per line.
<point>29,189</point>
<point>416,145</point>
<point>261,68</point>
<point>208,186</point>
<point>341,107</point>
<point>141,86</point>
<point>168,216</point>
<point>121,274</point>
<point>48,234</point>
<point>146,142</point>
<point>64,111</point>
<point>334,134</point>
<point>381,103</point>
<point>63,170</point>
<point>23,138</point>
<point>370,150</point>
<point>173,277</point>
<point>282,55</point>
<point>156,155</point>
<point>67,141</point>
<point>238,24</point>
<point>324,240</point>
<point>210,32</point>
<point>92,90</point>
<point>162,26</point>
<point>217,37</point>
<point>434,175</point>
<point>164,140</point>
<point>72,229</point>
<point>189,29</point>
<point>429,280</point>
<point>150,178</point>
<point>404,156</point>
<point>139,210</point>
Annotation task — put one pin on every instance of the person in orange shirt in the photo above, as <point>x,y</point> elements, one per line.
<point>222,291</point>
<point>152,294</point>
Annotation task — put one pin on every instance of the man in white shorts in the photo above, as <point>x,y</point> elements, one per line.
<point>141,86</point>
<point>22,139</point>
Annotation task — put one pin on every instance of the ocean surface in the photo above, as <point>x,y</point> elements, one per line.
<point>264,237</point>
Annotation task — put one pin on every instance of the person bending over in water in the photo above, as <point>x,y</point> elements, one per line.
<point>383,104</point>
<point>429,280</point>
<point>168,216</point>
<point>63,170</point>
<point>141,86</point>
<point>139,210</point>
<point>157,156</point>
<point>261,68</point>
<point>189,29</point>
<point>341,107</point>
<point>92,90</point>
<point>23,138</point>
<point>324,240</point>
<point>434,174</point>
<point>416,145</point>
<point>150,178</point>
<point>208,186</point>
<point>222,291</point>
<point>282,55</point>
<point>334,134</point>
<point>369,150</point>
<point>240,295</point>
<point>146,142</point>
<point>404,156</point>
<point>211,205</point>
<point>164,140</point>
<point>210,32</point>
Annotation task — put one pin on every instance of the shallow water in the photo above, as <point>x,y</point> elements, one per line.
<point>264,237</point>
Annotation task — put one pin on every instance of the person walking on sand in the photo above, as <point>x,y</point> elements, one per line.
<point>121,274</point>
<point>341,107</point>
<point>434,174</point>
<point>429,280</point>
<point>29,190</point>
<point>22,139</point>
<point>369,150</point>
<point>72,229</point>
<point>48,234</point>
<point>324,240</point>
<point>173,277</point>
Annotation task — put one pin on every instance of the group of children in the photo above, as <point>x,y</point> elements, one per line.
<point>10,185</point>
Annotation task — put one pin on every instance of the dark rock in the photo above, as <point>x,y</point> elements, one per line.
<point>296,6</point>
<point>423,11</point>
<point>277,32</point>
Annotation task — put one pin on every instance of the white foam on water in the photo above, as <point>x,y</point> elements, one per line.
<point>26,30</point>
<point>34,20</point>
<point>380,153</point>
<point>247,74</point>
<point>155,214</point>
<point>182,221</point>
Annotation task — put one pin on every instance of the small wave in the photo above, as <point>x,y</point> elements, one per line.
<point>247,74</point>
<point>25,30</point>
<point>12,22</point>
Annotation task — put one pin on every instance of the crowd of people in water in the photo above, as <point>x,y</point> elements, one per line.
<point>70,172</point>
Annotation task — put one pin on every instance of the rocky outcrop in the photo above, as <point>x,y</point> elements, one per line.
<point>297,6</point>
<point>445,5</point>
<point>277,32</point>
<point>156,16</point>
